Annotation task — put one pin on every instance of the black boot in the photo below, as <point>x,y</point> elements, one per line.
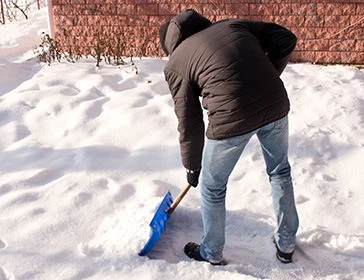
<point>192,250</point>
<point>281,256</point>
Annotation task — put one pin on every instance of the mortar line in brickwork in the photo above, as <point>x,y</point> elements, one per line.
<point>339,32</point>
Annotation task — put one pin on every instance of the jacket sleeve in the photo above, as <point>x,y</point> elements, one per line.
<point>188,110</point>
<point>277,41</point>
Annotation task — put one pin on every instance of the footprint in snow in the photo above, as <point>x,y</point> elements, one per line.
<point>118,192</point>
<point>4,189</point>
<point>238,176</point>
<point>5,117</point>
<point>38,211</point>
<point>26,198</point>
<point>95,93</point>
<point>19,132</point>
<point>69,90</point>
<point>96,108</point>
<point>88,96</point>
<point>301,199</point>
<point>3,244</point>
<point>325,177</point>
<point>126,85</point>
<point>160,88</point>
<point>82,199</point>
<point>43,177</point>
<point>4,275</point>
<point>256,156</point>
<point>124,193</point>
<point>140,103</point>
<point>143,101</point>
<point>90,251</point>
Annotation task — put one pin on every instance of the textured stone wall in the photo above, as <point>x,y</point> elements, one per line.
<point>329,31</point>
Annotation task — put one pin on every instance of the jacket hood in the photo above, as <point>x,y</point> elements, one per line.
<point>182,26</point>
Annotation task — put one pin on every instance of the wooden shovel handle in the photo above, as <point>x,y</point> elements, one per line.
<point>178,199</point>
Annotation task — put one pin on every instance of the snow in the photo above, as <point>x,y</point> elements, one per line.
<point>88,153</point>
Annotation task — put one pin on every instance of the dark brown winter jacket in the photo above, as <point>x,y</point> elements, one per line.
<point>233,66</point>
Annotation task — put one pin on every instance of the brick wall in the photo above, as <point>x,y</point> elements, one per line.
<point>329,31</point>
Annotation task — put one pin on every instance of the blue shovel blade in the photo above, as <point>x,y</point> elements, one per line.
<point>158,223</point>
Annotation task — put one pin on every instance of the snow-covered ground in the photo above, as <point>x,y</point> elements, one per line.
<point>87,154</point>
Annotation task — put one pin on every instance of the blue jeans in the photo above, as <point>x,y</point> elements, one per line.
<point>219,159</point>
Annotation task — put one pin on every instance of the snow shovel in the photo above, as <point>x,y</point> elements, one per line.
<point>161,216</point>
